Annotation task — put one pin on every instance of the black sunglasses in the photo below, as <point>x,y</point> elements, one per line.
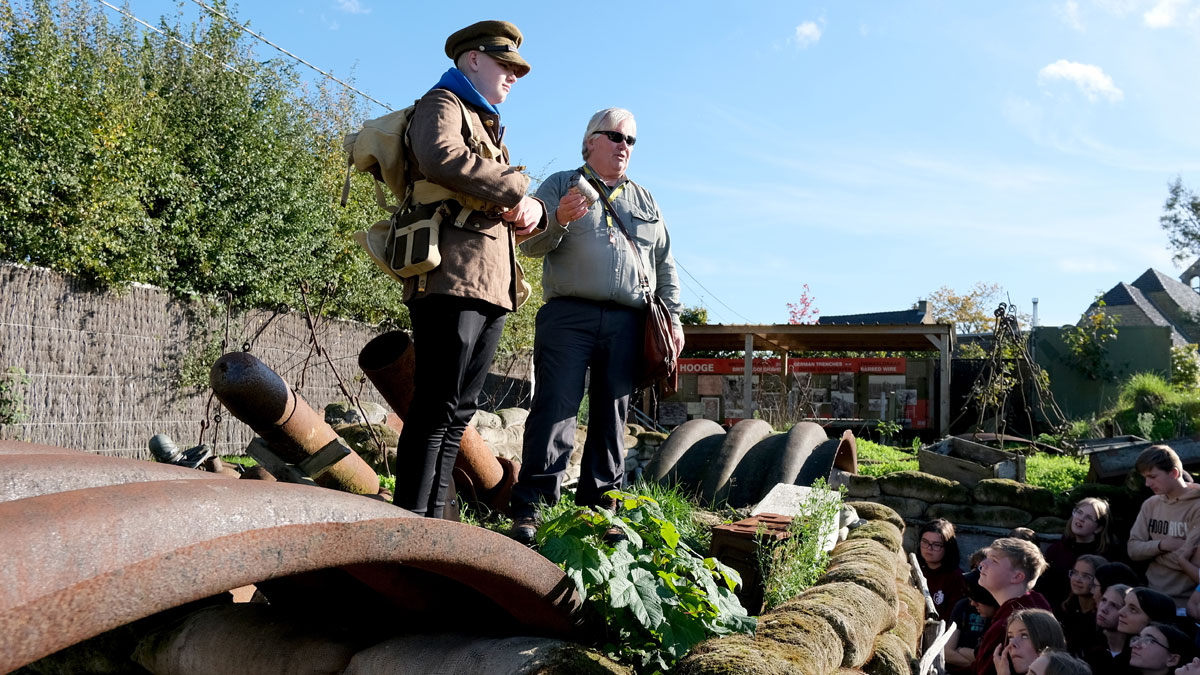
<point>617,137</point>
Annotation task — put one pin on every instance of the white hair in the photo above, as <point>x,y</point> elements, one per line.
<point>604,120</point>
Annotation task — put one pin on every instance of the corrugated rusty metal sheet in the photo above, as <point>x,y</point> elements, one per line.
<point>78,563</point>
<point>30,475</point>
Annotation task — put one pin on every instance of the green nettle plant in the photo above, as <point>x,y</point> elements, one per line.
<point>12,398</point>
<point>655,596</point>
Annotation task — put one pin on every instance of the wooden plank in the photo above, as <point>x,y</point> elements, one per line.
<point>954,468</point>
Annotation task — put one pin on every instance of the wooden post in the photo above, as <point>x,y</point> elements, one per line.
<point>747,386</point>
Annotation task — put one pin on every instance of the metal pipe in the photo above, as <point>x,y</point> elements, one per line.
<point>258,396</point>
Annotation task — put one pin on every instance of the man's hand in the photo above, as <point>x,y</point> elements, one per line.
<point>525,216</point>
<point>572,206</point>
<point>677,331</point>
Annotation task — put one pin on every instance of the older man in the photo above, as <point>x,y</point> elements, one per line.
<point>593,319</point>
<point>458,161</point>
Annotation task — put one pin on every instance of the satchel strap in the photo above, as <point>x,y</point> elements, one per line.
<point>643,278</point>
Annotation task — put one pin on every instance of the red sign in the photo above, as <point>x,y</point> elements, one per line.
<point>773,366</point>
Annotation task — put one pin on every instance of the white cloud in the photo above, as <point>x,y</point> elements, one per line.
<point>1069,13</point>
<point>1165,13</point>
<point>329,25</point>
<point>352,7</point>
<point>807,34</point>
<point>1091,80</point>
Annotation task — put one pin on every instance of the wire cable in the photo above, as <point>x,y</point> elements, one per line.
<point>710,293</point>
<point>284,51</point>
<point>185,45</point>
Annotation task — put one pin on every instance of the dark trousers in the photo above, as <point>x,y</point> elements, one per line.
<point>455,339</point>
<point>572,336</point>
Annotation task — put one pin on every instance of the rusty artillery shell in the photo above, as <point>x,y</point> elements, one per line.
<point>258,396</point>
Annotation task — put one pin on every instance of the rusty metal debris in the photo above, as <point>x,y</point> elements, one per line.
<point>256,395</point>
<point>82,562</point>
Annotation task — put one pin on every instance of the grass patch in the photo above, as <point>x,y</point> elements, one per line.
<point>1059,473</point>
<point>876,459</point>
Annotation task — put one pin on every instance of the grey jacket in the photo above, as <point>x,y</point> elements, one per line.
<point>581,260</point>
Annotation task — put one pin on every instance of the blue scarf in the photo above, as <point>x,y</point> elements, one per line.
<point>454,81</point>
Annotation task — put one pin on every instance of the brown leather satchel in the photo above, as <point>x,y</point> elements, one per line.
<point>659,365</point>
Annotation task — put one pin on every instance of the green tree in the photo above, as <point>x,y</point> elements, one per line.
<point>694,316</point>
<point>1181,220</point>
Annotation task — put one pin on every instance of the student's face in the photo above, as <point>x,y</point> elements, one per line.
<point>1085,523</point>
<point>1159,481</point>
<point>492,78</point>
<point>986,611</point>
<point>996,572</point>
<point>1038,667</point>
<point>1150,652</point>
<point>1108,608</point>
<point>933,549</point>
<point>1021,651</point>
<point>1131,619</point>
<point>1083,576</point>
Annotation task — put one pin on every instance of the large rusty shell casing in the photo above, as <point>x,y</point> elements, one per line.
<point>389,362</point>
<point>258,396</point>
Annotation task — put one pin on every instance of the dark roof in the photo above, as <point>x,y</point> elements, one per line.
<point>1125,295</point>
<point>1187,300</point>
<point>904,316</point>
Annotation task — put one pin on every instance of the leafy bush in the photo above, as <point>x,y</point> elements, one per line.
<point>654,595</point>
<point>801,559</point>
<point>1185,367</point>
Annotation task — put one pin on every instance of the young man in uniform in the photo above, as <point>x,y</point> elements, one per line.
<point>458,162</point>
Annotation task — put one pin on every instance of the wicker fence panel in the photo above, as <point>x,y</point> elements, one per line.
<point>103,371</point>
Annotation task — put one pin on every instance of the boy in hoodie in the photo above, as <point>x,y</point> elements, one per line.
<point>1168,525</point>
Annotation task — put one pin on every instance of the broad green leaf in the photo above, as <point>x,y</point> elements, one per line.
<point>639,593</point>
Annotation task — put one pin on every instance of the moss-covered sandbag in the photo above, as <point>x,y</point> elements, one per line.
<point>872,576</point>
<point>1007,492</point>
<point>855,613</point>
<point>906,507</point>
<point>816,644</point>
<point>246,638</point>
<point>891,657</point>
<point>741,654</point>
<point>863,550</point>
<point>1048,524</point>
<point>992,516</point>
<point>924,486</point>
<point>875,511</point>
<point>910,620</point>
<point>860,487</point>
<point>881,531</point>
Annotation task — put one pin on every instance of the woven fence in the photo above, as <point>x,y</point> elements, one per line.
<point>104,372</point>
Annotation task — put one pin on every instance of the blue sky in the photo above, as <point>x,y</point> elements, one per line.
<point>873,150</point>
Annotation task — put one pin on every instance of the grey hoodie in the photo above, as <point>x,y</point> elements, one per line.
<point>1162,518</point>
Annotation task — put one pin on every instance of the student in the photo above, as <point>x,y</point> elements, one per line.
<point>1055,662</point>
<point>1110,654</point>
<point>1168,525</point>
<point>1087,532</point>
<point>938,558</point>
<point>1192,668</point>
<point>1078,612</point>
<point>1009,571</point>
<point>1144,606</point>
<point>1115,573</point>
<point>971,617</point>
<point>1158,649</point>
<point>1029,632</point>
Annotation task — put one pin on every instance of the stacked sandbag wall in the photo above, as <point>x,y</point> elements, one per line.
<point>864,615</point>
<point>987,510</point>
